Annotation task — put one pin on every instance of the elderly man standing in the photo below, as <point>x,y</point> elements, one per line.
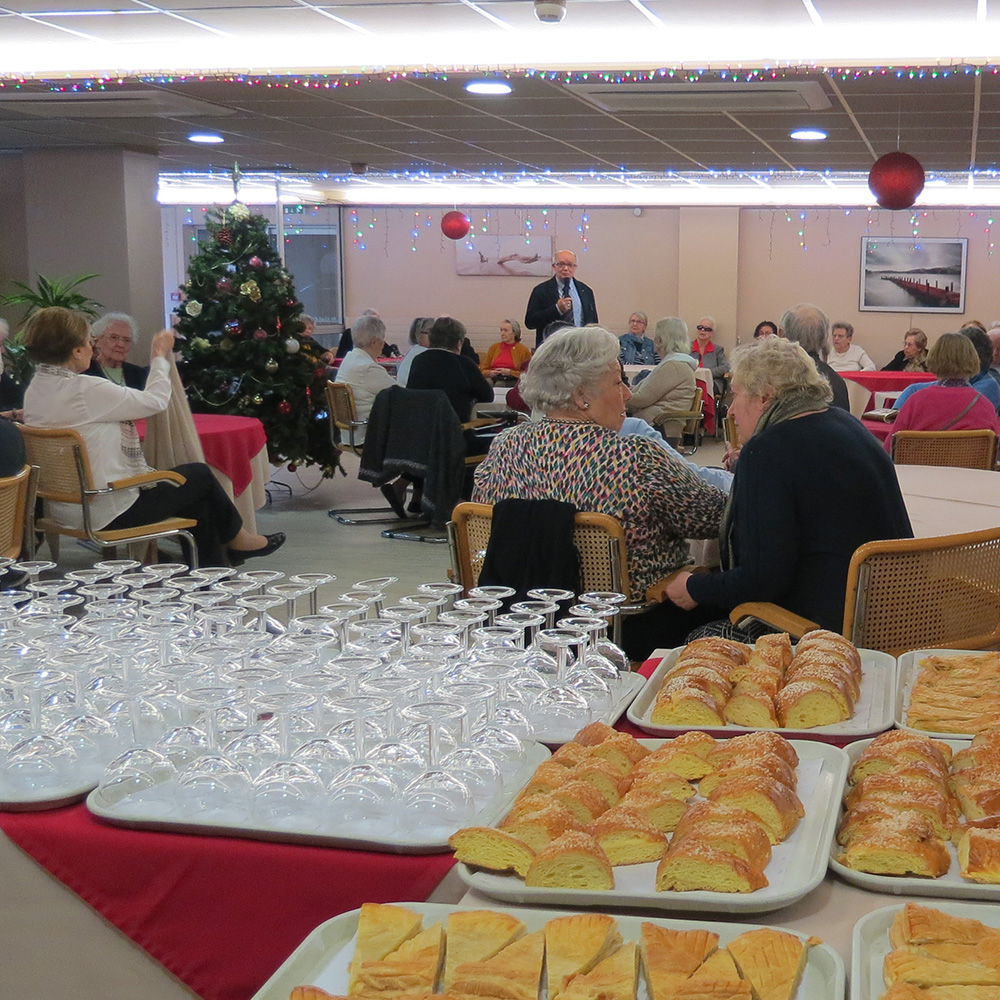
<point>562,297</point>
<point>809,326</point>
<point>112,336</point>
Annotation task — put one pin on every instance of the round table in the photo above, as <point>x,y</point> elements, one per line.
<point>948,501</point>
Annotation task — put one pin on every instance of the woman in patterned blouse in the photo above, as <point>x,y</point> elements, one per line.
<point>575,454</point>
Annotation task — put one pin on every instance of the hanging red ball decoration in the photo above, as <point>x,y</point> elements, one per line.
<point>896,180</point>
<point>292,466</point>
<point>284,407</point>
<point>455,225</point>
<point>255,262</point>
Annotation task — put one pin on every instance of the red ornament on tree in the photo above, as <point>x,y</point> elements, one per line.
<point>896,179</point>
<point>255,262</point>
<point>455,225</point>
<point>284,407</point>
<point>292,466</point>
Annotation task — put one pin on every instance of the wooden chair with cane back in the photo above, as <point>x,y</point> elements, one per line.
<point>912,593</point>
<point>64,476</point>
<point>957,449</point>
<point>693,419</point>
<point>17,506</point>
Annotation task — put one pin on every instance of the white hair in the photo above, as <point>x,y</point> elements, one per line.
<point>577,358</point>
<point>100,326</point>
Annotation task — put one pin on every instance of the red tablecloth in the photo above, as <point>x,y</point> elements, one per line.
<point>879,428</point>
<point>228,442</point>
<point>220,913</point>
<point>887,381</point>
<point>707,407</point>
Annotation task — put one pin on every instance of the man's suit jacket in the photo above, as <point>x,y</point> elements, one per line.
<point>542,306</point>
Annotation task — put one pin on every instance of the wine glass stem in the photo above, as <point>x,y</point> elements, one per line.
<point>314,601</point>
<point>284,725</point>
<point>35,708</point>
<point>561,651</point>
<point>289,609</point>
<point>359,735</point>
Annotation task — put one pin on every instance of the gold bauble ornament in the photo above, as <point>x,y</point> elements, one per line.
<point>251,290</point>
<point>270,366</point>
<point>257,400</point>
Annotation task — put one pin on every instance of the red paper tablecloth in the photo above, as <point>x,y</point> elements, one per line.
<point>228,442</point>
<point>220,913</point>
<point>707,407</point>
<point>887,381</point>
<point>880,428</point>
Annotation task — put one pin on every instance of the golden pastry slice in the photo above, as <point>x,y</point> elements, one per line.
<point>908,965</point>
<point>713,989</point>
<point>310,993</point>
<point>574,945</point>
<point>413,967</point>
<point>573,861</point>
<point>512,974</point>
<point>494,850</point>
<point>772,960</point>
<point>907,991</point>
<point>382,928</point>
<point>475,935</point>
<point>719,966</point>
<point>670,956</point>
<point>613,978</point>
<point>979,855</point>
<point>917,924</point>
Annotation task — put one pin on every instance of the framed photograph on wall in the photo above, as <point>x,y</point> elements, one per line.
<point>505,256</point>
<point>913,274</point>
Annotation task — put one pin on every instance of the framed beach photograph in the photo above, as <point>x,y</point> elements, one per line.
<point>505,256</point>
<point>913,274</point>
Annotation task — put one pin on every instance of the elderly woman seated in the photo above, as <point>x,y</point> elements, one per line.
<point>913,356</point>
<point>576,454</point>
<point>636,347</point>
<point>113,335</point>
<point>670,385</point>
<point>61,395</point>
<point>951,403</point>
<point>811,486</point>
<point>508,357</point>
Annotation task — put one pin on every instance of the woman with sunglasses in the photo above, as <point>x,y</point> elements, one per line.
<point>709,354</point>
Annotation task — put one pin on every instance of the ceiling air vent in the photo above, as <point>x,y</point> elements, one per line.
<point>725,95</point>
<point>109,104</point>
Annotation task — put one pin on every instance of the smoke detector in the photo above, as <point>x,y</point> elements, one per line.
<point>550,11</point>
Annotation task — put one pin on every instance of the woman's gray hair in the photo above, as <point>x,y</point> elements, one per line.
<point>366,330</point>
<point>671,336</point>
<point>515,328</point>
<point>780,368</point>
<point>809,326</point>
<point>577,358</point>
<point>99,326</point>
<point>422,324</point>
<point>642,316</point>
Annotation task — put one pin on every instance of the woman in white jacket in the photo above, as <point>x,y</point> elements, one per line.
<point>670,385</point>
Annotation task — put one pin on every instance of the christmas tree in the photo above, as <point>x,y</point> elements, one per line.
<point>242,350</point>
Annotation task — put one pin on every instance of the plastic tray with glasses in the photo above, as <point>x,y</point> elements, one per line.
<point>822,687</point>
<point>392,952</point>
<point>949,693</point>
<point>913,952</point>
<point>686,824</point>
<point>922,816</point>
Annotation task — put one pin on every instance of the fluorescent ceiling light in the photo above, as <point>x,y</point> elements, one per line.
<point>488,87</point>
<point>207,137</point>
<point>808,134</point>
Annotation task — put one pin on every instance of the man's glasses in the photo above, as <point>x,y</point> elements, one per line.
<point>564,263</point>
<point>705,329</point>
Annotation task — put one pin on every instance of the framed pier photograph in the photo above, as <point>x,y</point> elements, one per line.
<point>913,274</point>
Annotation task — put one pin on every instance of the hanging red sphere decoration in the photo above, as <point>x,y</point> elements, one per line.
<point>284,407</point>
<point>896,179</point>
<point>455,225</point>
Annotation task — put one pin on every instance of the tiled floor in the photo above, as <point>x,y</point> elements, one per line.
<point>318,543</point>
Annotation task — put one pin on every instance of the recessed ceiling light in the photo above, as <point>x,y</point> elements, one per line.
<point>808,134</point>
<point>205,137</point>
<point>488,87</point>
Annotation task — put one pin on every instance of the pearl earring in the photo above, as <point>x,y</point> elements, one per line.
<point>586,406</point>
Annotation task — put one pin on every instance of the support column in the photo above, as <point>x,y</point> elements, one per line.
<point>708,258</point>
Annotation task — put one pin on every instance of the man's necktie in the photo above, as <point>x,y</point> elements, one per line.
<point>565,291</point>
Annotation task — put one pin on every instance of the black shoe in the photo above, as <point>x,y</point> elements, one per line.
<point>274,542</point>
<point>414,507</point>
<point>395,502</point>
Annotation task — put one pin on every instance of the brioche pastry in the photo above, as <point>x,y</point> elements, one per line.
<point>751,708</point>
<point>758,677</point>
<point>827,641</point>
<point>475,935</point>
<point>707,812</point>
<point>413,967</point>
<point>628,837</point>
<point>872,823</point>
<point>494,850</point>
<point>979,855</point>
<point>622,751</point>
<point>574,861</point>
<point>570,754</point>
<point>918,924</point>
<point>582,799</point>
<point>541,827</point>
<point>575,944</point>
<point>688,706</point>
<point>594,733</point>
<point>656,775</point>
<point>830,669</point>
<point>746,840</point>
<point>807,704</point>
<point>768,765</point>
<point>833,680</point>
<point>884,852</point>
<point>513,973</point>
<point>663,811</point>
<point>772,960</point>
<point>710,682</point>
<point>382,928</point>
<point>774,649</point>
<point>753,744</point>
<point>603,776</point>
<point>735,652</point>
<point>613,978</point>
<point>524,804</point>
<point>690,866</point>
<point>777,806</point>
<point>670,956</point>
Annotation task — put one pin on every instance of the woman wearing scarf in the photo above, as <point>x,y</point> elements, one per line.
<point>812,484</point>
<point>103,413</point>
<point>709,354</point>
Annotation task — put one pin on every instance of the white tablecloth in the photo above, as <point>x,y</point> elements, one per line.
<point>946,501</point>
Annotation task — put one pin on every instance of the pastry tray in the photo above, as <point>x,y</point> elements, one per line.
<point>65,794</point>
<point>797,866</point>
<point>631,685</point>
<point>870,943</point>
<point>873,712</point>
<point>322,958</point>
<point>141,815</point>
<point>909,669</point>
<point>950,885</point>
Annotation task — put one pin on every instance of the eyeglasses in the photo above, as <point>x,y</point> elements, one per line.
<point>564,263</point>
<point>705,329</point>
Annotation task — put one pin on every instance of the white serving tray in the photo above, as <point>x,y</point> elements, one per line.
<point>950,885</point>
<point>870,943</point>
<point>909,669</point>
<point>17,800</point>
<point>139,816</point>
<point>873,712</point>
<point>797,866</point>
<point>322,958</point>
<point>631,685</point>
